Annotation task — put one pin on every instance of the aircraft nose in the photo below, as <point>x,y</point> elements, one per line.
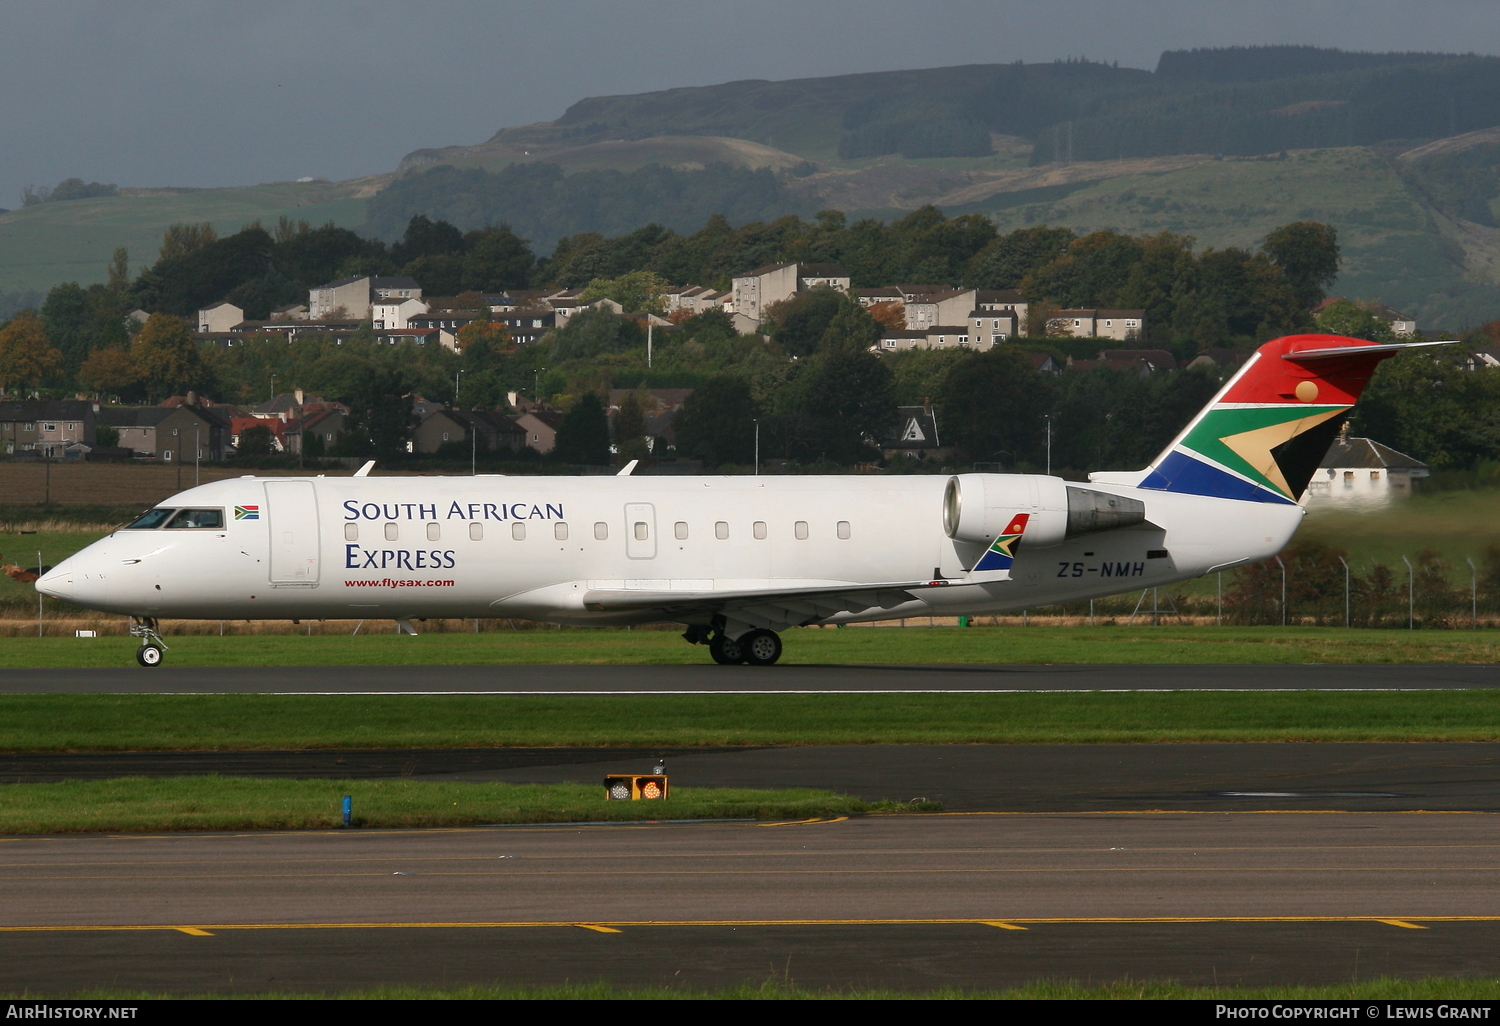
<point>56,583</point>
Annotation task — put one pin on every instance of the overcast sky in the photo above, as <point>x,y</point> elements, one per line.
<point>219,93</point>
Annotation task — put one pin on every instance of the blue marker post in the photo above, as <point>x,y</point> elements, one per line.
<point>348,808</point>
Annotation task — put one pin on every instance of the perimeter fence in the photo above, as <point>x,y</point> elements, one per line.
<point>1313,584</point>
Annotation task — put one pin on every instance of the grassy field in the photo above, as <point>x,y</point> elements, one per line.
<point>48,243</point>
<point>1451,988</point>
<point>812,646</point>
<point>236,803</point>
<point>1457,524</point>
<point>85,722</point>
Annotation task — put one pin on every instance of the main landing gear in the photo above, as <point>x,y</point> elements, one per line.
<point>757,648</point>
<point>152,647</point>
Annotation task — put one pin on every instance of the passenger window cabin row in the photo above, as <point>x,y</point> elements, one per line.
<point>758,530</point>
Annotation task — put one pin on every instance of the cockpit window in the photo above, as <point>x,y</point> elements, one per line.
<point>149,519</point>
<point>201,518</point>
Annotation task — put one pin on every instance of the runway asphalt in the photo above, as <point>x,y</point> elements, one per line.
<point>1272,864</point>
<point>1013,778</point>
<point>907,902</point>
<point>553,679</point>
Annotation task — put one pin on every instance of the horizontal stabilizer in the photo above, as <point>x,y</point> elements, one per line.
<point>1299,355</point>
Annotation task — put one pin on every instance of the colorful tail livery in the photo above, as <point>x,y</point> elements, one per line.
<point>1268,429</point>
<point>1001,555</point>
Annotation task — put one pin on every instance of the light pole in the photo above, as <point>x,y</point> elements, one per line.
<point>1283,591</point>
<point>1048,418</point>
<point>1346,590</point>
<point>1473,592</point>
<point>456,376</point>
<point>1411,595</point>
<point>757,446</point>
<point>536,383</point>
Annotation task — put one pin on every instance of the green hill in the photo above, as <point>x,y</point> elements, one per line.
<point>1397,247</point>
<point>48,243</point>
<point>1400,151</point>
<point>1240,100</point>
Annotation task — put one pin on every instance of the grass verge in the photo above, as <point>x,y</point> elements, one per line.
<point>241,803</point>
<point>1437,988</point>
<point>1014,644</point>
<point>195,722</point>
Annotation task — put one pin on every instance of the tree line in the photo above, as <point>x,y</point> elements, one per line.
<point>808,383</point>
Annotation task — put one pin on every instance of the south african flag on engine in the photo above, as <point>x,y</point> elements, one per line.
<point>247,512</point>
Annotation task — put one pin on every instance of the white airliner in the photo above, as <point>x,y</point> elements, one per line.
<point>736,559</point>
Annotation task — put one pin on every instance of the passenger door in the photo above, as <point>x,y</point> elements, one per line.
<point>640,530</point>
<point>292,507</point>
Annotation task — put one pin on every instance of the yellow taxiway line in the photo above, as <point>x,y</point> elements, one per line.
<point>617,926</point>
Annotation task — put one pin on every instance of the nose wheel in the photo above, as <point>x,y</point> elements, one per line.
<point>152,647</point>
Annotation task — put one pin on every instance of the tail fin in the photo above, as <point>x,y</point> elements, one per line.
<point>1264,434</point>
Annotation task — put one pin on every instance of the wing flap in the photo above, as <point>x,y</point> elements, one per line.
<point>886,595</point>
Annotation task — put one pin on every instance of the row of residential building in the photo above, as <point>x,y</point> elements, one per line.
<point>921,315</point>
<point>913,316</point>
<point>185,428</point>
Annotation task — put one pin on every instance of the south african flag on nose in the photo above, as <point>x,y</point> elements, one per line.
<point>247,512</point>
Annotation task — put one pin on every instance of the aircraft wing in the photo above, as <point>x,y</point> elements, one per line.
<point>769,608</point>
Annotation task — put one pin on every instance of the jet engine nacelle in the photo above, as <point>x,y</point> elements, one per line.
<point>978,507</point>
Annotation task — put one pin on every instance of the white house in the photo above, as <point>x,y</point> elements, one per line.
<point>349,297</point>
<point>219,317</point>
<point>951,306</point>
<point>395,312</point>
<point>993,326</point>
<point>353,296</point>
<point>564,309</point>
<point>756,291</point>
<point>1004,301</point>
<point>395,288</point>
<point>810,276</point>
<point>1361,473</point>
<point>1121,325</point>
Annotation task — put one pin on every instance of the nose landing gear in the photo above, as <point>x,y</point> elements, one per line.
<point>152,647</point>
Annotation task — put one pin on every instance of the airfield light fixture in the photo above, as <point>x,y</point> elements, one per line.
<point>620,787</point>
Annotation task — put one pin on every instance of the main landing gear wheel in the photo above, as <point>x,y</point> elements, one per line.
<point>761,648</point>
<point>726,651</point>
<point>148,655</point>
